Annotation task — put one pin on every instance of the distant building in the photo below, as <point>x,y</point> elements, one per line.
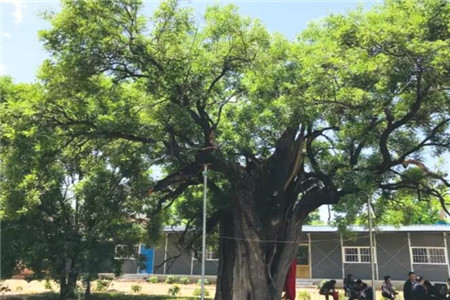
<point>324,253</point>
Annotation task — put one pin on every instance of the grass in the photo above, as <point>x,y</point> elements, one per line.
<point>102,296</point>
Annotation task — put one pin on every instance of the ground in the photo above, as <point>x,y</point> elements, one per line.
<point>121,290</point>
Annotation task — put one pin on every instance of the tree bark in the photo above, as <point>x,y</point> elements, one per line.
<point>68,283</point>
<point>251,267</point>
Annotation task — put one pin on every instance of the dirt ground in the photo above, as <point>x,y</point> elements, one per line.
<point>18,286</point>
<point>22,287</point>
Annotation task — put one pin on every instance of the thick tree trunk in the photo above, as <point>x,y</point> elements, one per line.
<point>68,284</point>
<point>252,268</point>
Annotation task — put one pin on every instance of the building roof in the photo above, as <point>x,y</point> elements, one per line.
<point>382,228</point>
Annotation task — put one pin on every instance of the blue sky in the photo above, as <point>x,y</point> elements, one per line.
<point>22,53</point>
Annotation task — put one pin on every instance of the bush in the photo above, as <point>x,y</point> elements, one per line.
<point>153,279</point>
<point>19,288</point>
<point>304,295</point>
<point>198,292</point>
<point>170,279</point>
<point>174,291</point>
<point>136,288</point>
<point>184,280</point>
<point>102,285</point>
<point>48,284</point>
<point>4,288</point>
<point>199,282</point>
<point>320,284</point>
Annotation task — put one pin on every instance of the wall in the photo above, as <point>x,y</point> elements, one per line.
<point>359,270</point>
<point>393,255</point>
<point>129,266</point>
<point>326,256</point>
<point>431,272</point>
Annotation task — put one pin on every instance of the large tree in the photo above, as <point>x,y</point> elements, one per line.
<point>63,209</point>
<point>345,111</point>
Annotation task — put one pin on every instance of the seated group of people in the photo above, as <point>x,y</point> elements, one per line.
<point>417,288</point>
<point>355,289</point>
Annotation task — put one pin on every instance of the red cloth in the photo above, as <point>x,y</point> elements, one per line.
<point>291,281</point>
<point>335,296</point>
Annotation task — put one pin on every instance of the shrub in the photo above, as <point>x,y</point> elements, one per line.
<point>184,280</point>
<point>102,285</point>
<point>48,284</point>
<point>320,284</point>
<point>153,279</point>
<point>170,279</point>
<point>19,288</point>
<point>198,292</point>
<point>4,288</point>
<point>136,288</point>
<point>199,282</point>
<point>174,290</point>
<point>304,295</point>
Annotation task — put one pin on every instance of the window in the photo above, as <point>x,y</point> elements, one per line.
<point>303,255</point>
<point>212,253</point>
<point>424,255</point>
<point>126,252</point>
<point>357,254</point>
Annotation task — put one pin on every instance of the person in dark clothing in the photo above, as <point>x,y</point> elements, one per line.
<point>364,291</point>
<point>429,288</point>
<point>329,288</point>
<point>407,288</point>
<point>419,291</point>
<point>387,290</point>
<point>350,287</point>
<point>447,296</point>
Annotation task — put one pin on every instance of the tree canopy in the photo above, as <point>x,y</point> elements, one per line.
<point>345,111</point>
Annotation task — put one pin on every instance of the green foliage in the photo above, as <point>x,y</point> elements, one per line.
<point>174,290</point>
<point>80,207</point>
<point>199,282</point>
<point>313,218</point>
<point>404,208</point>
<point>48,284</point>
<point>185,280</point>
<point>153,279</point>
<point>321,283</point>
<point>171,279</point>
<point>102,285</point>
<point>304,295</point>
<point>136,288</point>
<point>4,288</point>
<point>198,292</point>
<point>346,111</point>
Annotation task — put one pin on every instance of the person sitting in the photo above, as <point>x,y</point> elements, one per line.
<point>350,287</point>
<point>418,291</point>
<point>364,291</point>
<point>430,289</point>
<point>387,290</point>
<point>329,288</point>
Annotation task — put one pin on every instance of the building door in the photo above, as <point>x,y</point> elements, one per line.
<point>148,254</point>
<point>303,267</point>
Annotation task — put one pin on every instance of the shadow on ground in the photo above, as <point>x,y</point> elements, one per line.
<point>53,296</point>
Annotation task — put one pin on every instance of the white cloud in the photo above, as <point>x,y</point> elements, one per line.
<point>7,35</point>
<point>18,9</point>
<point>3,69</point>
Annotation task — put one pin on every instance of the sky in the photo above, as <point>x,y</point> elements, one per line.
<point>21,52</point>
